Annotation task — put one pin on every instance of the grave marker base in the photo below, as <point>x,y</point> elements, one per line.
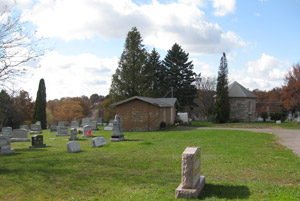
<point>38,146</point>
<point>117,138</point>
<point>190,193</point>
<point>7,152</point>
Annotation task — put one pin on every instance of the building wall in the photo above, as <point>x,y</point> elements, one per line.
<point>242,109</point>
<point>138,115</point>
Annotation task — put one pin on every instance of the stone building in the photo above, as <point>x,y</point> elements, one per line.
<point>242,103</point>
<point>146,114</point>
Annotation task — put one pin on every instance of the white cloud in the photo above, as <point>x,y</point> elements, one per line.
<point>71,76</point>
<point>223,7</point>
<point>265,73</point>
<point>161,25</point>
<point>205,69</point>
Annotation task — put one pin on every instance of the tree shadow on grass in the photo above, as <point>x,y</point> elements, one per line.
<point>224,192</point>
<point>134,140</point>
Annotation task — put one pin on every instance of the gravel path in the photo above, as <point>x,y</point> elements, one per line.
<point>288,138</point>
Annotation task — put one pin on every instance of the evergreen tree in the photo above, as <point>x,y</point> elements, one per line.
<point>158,76</point>
<point>180,76</point>
<point>222,106</point>
<point>39,113</point>
<point>132,77</point>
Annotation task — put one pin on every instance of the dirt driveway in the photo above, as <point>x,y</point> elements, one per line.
<point>288,138</point>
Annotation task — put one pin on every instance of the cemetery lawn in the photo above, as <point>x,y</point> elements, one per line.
<point>272,124</point>
<point>238,165</point>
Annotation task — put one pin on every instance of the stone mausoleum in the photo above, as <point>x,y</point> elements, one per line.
<point>242,103</point>
<point>145,114</point>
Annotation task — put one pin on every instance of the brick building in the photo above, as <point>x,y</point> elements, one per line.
<point>146,114</point>
<point>242,103</point>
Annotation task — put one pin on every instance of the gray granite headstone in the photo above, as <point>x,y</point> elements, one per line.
<point>7,132</point>
<point>98,142</point>
<point>73,147</point>
<point>85,121</point>
<point>37,141</point>
<point>35,129</point>
<point>53,128</point>
<point>298,119</point>
<point>62,131</point>
<point>74,124</point>
<point>117,134</point>
<point>93,124</point>
<point>87,131</point>
<point>73,134</point>
<point>290,116</point>
<point>61,123</point>
<point>20,135</point>
<point>24,127</point>
<point>5,148</point>
<point>99,121</point>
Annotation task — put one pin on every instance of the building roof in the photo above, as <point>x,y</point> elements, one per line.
<point>160,102</point>
<point>238,91</point>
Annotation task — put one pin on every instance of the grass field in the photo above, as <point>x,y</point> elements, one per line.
<point>272,124</point>
<point>238,165</point>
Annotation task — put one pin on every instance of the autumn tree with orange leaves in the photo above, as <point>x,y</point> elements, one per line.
<point>291,90</point>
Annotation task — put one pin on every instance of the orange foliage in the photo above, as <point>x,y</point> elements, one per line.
<point>267,99</point>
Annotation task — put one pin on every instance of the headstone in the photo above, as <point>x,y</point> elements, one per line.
<point>260,119</point>
<point>24,127</point>
<point>93,124</point>
<point>87,131</point>
<point>99,121</point>
<point>37,141</point>
<point>62,131</point>
<point>20,135</point>
<point>73,147</point>
<point>278,122</point>
<point>98,142</point>
<point>35,129</point>
<point>191,182</point>
<point>38,123</point>
<point>298,119</point>
<point>85,121</point>
<point>73,134</point>
<point>117,134</point>
<point>74,124</point>
<point>290,116</point>
<point>61,123</point>
<point>53,128</point>
<point>5,148</point>
<point>7,132</point>
<point>109,126</point>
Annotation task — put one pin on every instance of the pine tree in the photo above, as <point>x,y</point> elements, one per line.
<point>158,76</point>
<point>131,77</point>
<point>39,113</point>
<point>222,106</point>
<point>180,76</point>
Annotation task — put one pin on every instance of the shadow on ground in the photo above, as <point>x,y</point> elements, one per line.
<point>224,192</point>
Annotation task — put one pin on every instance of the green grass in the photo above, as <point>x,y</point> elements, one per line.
<point>238,165</point>
<point>284,125</point>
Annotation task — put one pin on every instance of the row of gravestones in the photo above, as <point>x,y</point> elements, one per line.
<point>75,124</point>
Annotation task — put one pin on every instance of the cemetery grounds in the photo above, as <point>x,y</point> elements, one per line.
<point>238,165</point>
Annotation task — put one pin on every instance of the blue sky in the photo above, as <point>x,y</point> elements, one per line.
<point>86,38</point>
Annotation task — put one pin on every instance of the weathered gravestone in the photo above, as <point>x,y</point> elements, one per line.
<point>35,129</point>
<point>298,119</point>
<point>74,124</point>
<point>61,123</point>
<point>53,128</point>
<point>191,182</point>
<point>109,126</point>
<point>290,116</point>
<point>7,132</point>
<point>85,121</point>
<point>87,131</point>
<point>24,127</point>
<point>73,147</point>
<point>117,134</point>
<point>73,134</point>
<point>62,131</point>
<point>99,121</point>
<point>5,148</point>
<point>37,141</point>
<point>98,142</point>
<point>20,135</point>
<point>93,124</point>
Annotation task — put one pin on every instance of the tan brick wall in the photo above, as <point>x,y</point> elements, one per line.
<point>242,109</point>
<point>138,115</point>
